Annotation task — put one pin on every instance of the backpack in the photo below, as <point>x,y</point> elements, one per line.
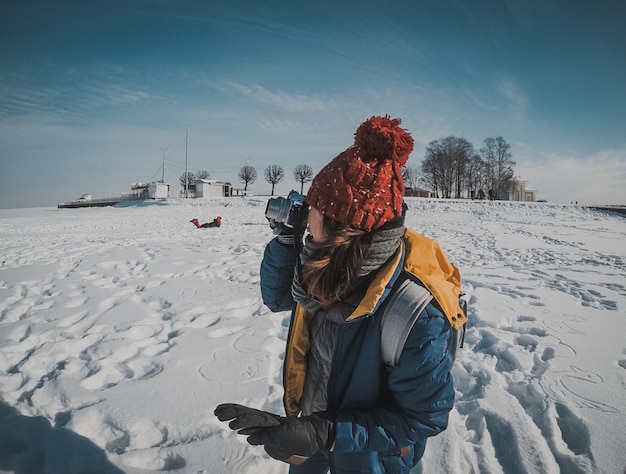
<point>400,314</point>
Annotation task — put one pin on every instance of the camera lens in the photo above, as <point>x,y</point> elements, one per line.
<point>278,209</point>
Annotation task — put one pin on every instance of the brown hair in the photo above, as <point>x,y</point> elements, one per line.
<point>331,270</point>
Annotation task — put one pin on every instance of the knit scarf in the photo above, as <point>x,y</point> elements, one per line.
<point>384,244</point>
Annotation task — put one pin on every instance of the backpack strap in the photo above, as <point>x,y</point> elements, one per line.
<point>458,335</point>
<point>399,316</point>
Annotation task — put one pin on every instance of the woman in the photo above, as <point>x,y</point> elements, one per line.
<point>346,410</point>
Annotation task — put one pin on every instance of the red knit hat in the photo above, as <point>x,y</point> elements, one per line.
<point>363,186</point>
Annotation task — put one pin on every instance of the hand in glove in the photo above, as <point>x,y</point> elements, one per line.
<point>282,437</point>
<point>245,420</point>
<point>285,234</point>
<point>302,436</point>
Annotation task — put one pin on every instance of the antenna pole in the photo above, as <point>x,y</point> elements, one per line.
<point>163,166</point>
<point>186,172</point>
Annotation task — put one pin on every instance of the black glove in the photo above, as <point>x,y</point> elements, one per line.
<point>282,437</point>
<point>245,420</point>
<point>285,234</point>
<point>302,436</point>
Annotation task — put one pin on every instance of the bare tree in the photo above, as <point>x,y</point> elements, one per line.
<point>488,154</point>
<point>302,174</point>
<point>203,174</point>
<point>411,177</point>
<point>499,165</point>
<point>187,180</point>
<point>247,174</point>
<point>451,167</point>
<point>475,176</point>
<point>444,166</point>
<point>462,151</point>
<point>274,174</point>
<point>505,166</point>
<point>430,178</point>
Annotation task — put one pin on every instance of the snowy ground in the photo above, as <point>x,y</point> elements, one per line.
<point>122,328</point>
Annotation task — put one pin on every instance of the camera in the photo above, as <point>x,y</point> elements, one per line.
<point>291,211</point>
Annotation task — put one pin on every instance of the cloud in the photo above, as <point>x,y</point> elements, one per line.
<point>80,91</point>
<point>591,180</point>
<point>283,100</point>
<point>483,105</point>
<point>512,93</point>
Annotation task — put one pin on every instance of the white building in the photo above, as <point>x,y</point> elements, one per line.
<point>153,190</point>
<point>158,190</point>
<point>208,188</point>
<point>521,193</point>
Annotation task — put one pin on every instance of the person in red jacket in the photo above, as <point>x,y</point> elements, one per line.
<point>216,223</point>
<point>346,410</point>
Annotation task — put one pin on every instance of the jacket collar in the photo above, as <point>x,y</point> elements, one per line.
<point>424,259</point>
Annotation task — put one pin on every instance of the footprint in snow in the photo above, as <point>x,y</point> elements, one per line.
<point>569,387</point>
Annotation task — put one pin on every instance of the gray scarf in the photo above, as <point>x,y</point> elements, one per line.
<point>384,245</point>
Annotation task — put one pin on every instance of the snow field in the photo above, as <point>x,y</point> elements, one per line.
<point>128,326</point>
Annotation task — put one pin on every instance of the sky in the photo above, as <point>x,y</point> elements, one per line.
<point>96,95</point>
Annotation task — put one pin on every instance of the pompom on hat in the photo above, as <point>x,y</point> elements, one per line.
<point>363,186</point>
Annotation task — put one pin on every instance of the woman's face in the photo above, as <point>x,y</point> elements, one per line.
<point>315,226</point>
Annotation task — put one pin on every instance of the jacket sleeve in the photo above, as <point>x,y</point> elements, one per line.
<point>422,394</point>
<point>277,271</point>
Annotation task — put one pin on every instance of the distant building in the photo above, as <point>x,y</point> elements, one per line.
<point>153,190</point>
<point>210,188</point>
<point>207,188</point>
<point>418,192</point>
<point>239,192</point>
<point>521,193</point>
<point>158,190</point>
<point>138,192</point>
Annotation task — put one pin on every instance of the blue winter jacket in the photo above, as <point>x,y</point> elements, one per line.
<point>383,418</point>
